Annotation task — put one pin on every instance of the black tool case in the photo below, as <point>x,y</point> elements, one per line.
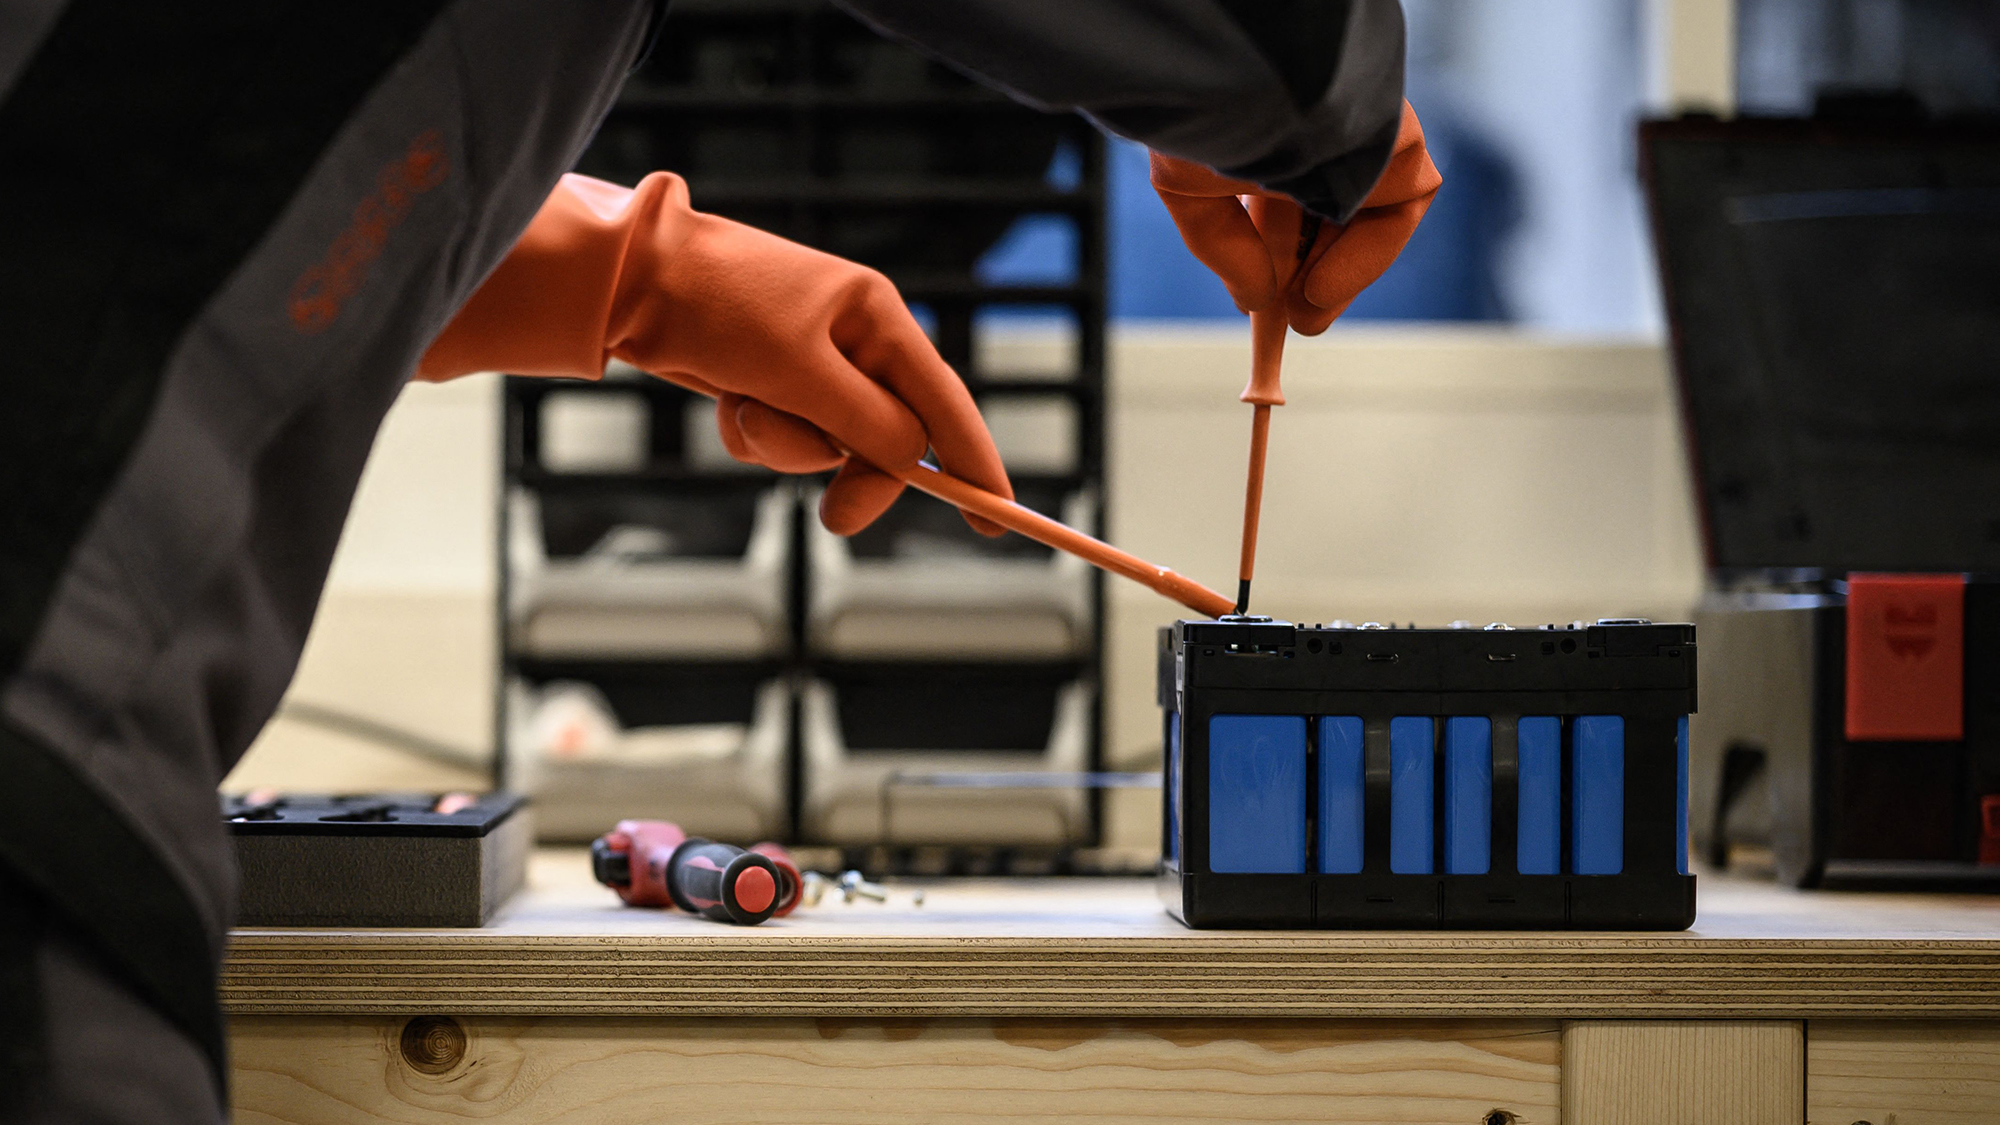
<point>1779,762</point>
<point>1343,776</point>
<point>377,860</point>
<point>1833,289</point>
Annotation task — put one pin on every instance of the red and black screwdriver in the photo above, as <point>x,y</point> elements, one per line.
<point>654,863</point>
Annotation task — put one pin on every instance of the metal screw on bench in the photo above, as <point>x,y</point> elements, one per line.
<point>852,884</point>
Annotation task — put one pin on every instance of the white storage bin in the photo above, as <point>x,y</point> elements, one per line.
<point>941,596</point>
<point>585,772</point>
<point>595,431</point>
<point>848,791</point>
<point>630,595</point>
<point>1034,433</point>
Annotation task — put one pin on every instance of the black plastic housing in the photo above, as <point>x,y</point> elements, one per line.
<point>1842,813</point>
<point>376,860</point>
<point>1642,672</point>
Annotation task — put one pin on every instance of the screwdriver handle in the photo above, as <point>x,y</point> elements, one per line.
<point>723,882</point>
<point>632,859</point>
<point>1283,225</point>
<point>1267,355</point>
<point>790,883</point>
<point>1289,238</point>
<point>654,863</point>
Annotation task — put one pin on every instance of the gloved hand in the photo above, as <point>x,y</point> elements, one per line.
<point>807,355</point>
<point>1344,259</point>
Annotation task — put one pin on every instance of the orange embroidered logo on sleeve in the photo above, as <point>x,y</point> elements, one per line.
<point>320,291</point>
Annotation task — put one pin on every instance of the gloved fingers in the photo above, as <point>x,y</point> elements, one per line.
<point>771,437</point>
<point>690,381</point>
<point>760,435</point>
<point>854,411</point>
<point>981,524</point>
<point>1219,233</point>
<point>879,336</point>
<point>1308,319</point>
<point>856,497</point>
<point>1410,173</point>
<point>1281,222</point>
<point>730,430</point>
<point>1360,254</point>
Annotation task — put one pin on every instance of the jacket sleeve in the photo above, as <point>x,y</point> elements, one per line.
<point>1300,96</point>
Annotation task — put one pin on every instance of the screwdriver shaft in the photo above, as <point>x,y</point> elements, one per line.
<point>1253,504</point>
<point>1267,350</point>
<point>969,497</point>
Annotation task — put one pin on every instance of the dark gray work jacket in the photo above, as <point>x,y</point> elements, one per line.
<point>232,229</point>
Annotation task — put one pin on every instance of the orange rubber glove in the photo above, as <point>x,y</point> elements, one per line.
<point>807,355</point>
<point>1222,229</point>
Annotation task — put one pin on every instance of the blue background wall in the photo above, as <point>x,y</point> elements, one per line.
<point>1529,111</point>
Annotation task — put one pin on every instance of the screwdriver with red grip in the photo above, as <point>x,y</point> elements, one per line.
<point>654,863</point>
<point>1290,235</point>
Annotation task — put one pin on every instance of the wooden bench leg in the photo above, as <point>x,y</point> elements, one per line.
<point>1683,1072</point>
<point>1903,1072</point>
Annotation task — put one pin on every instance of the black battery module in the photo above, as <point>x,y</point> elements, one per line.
<point>1364,776</point>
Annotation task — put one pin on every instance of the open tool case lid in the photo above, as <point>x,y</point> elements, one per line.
<point>1833,291</point>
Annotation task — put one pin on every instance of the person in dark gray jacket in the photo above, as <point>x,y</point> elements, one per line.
<point>238,228</point>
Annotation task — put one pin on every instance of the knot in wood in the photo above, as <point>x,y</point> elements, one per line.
<point>433,1044</point>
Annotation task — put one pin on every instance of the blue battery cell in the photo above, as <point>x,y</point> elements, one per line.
<point>1411,797</point>
<point>1538,782</point>
<point>1681,808</point>
<point>1257,794</point>
<point>1340,795</point>
<point>1597,794</point>
<point>1468,795</point>
<point>1172,782</point>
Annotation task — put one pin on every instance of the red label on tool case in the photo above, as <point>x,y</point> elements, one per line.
<point>1906,657</point>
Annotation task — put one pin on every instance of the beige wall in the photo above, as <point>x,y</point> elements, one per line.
<point>1414,476</point>
<point>405,630</point>
<point>1693,47</point>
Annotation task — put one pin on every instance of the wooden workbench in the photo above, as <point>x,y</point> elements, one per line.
<point>1081,998</point>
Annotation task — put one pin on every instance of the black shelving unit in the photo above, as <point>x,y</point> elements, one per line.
<point>791,116</point>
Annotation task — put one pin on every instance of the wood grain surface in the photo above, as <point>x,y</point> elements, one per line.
<point>1105,948</point>
<point>1902,1073</point>
<point>1683,1072</point>
<point>322,1071</point>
